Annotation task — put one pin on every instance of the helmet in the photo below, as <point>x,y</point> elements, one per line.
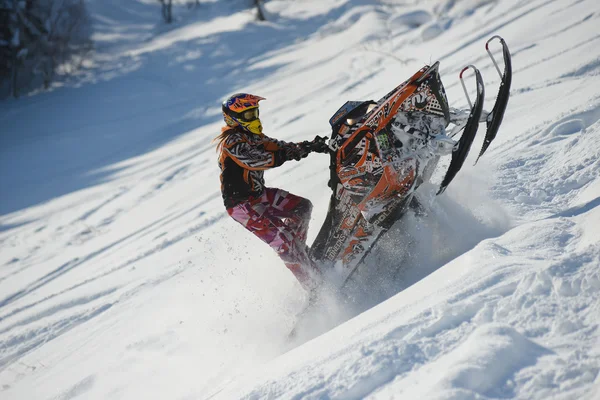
<point>242,109</point>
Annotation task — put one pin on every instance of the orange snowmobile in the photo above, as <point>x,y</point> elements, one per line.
<point>381,152</point>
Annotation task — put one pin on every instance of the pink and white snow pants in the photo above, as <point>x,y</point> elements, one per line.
<point>281,220</point>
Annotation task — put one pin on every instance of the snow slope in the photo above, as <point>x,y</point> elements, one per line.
<point>122,277</point>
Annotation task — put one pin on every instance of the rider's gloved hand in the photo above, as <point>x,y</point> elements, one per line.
<point>303,149</point>
<point>298,152</point>
<point>319,145</point>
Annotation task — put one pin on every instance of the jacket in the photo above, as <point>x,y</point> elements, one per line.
<point>243,159</point>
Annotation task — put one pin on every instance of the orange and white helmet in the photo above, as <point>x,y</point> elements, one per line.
<point>242,109</point>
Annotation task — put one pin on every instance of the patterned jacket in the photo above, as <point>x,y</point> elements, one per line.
<point>243,159</point>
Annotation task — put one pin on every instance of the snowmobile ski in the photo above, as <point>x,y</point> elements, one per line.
<point>494,118</point>
<point>461,150</point>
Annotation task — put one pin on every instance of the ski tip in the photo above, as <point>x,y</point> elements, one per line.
<point>474,68</point>
<point>492,38</point>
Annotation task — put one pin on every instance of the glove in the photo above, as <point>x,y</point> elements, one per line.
<point>298,152</point>
<point>303,149</point>
<point>317,145</point>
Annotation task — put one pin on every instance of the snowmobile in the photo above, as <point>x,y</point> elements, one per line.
<point>383,151</point>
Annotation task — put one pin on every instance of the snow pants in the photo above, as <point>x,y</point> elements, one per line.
<point>281,220</point>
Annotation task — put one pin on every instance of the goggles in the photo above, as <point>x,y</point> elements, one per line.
<point>248,115</point>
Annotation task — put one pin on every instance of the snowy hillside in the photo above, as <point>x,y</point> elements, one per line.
<point>122,277</point>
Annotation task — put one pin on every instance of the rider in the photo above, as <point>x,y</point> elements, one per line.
<point>277,217</point>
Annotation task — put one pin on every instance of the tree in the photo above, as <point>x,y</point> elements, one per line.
<point>167,10</point>
<point>22,31</point>
<point>260,10</point>
<point>67,38</point>
<point>40,37</point>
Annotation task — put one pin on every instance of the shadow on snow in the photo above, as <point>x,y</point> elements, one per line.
<point>135,101</point>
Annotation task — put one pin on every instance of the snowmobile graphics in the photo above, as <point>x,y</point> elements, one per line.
<point>381,152</point>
